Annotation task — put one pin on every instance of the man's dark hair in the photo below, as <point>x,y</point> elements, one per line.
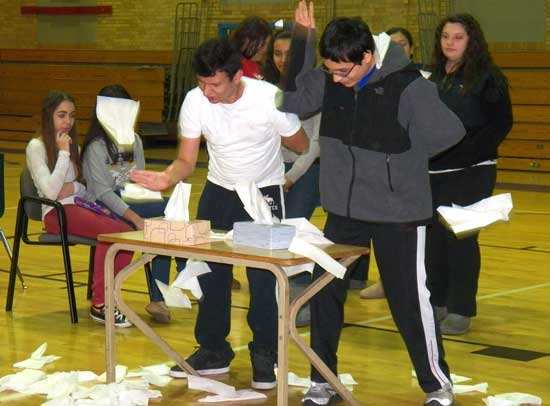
<point>251,35</point>
<point>216,55</point>
<point>345,40</point>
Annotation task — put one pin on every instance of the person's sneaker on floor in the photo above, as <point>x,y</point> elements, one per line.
<point>441,397</point>
<point>206,362</point>
<point>374,291</point>
<point>320,394</point>
<point>440,313</point>
<point>159,312</point>
<point>98,314</point>
<point>455,324</point>
<point>263,368</point>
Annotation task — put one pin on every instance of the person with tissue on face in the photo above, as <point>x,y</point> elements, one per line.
<point>243,131</point>
<point>54,164</point>
<point>106,168</point>
<point>381,122</point>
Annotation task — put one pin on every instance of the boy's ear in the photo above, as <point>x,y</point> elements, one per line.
<point>367,58</point>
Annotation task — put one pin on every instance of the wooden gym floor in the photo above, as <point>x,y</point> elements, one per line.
<point>508,345</point>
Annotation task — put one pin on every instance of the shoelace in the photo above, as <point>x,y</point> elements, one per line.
<point>119,317</point>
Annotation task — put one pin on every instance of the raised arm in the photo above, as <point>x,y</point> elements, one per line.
<point>303,85</point>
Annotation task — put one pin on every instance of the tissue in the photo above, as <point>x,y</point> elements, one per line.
<point>118,117</point>
<point>175,228</point>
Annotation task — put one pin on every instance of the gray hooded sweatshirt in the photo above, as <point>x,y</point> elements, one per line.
<point>375,141</point>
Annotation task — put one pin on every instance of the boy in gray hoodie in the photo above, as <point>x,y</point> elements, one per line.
<point>381,123</point>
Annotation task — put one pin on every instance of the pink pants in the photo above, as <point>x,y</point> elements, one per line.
<point>86,223</point>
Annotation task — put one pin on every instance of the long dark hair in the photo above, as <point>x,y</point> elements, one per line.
<point>250,35</point>
<point>47,129</point>
<point>270,71</point>
<point>476,62</point>
<point>96,130</point>
<point>406,33</point>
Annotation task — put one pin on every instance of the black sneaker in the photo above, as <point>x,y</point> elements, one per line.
<point>263,365</point>
<point>206,362</point>
<point>98,314</point>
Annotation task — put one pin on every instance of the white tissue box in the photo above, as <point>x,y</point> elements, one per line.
<point>268,236</point>
<point>177,232</point>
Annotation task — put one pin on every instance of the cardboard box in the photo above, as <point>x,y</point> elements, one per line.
<point>268,236</point>
<point>177,232</point>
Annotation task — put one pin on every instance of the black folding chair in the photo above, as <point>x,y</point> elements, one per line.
<point>29,207</point>
<point>2,209</point>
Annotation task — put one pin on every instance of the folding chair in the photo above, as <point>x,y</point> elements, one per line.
<point>29,207</point>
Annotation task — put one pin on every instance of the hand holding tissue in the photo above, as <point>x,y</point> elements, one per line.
<point>176,228</point>
<point>464,221</point>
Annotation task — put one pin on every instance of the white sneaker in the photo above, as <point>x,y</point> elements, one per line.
<point>441,397</point>
<point>320,394</point>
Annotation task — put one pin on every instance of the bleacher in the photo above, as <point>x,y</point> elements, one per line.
<point>27,75</point>
<point>527,147</point>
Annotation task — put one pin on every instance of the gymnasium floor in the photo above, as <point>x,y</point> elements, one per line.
<point>508,345</point>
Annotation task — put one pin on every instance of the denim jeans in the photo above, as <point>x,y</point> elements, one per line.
<point>300,201</point>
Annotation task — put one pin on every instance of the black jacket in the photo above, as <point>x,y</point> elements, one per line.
<point>486,113</point>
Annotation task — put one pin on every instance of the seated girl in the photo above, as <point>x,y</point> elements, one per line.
<point>106,169</point>
<point>54,164</point>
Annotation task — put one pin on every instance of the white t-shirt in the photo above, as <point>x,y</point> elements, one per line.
<point>243,138</point>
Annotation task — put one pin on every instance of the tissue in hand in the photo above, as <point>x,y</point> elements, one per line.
<point>268,236</point>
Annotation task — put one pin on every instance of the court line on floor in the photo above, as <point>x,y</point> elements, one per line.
<point>482,297</point>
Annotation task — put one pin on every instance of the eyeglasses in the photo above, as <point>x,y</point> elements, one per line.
<point>337,73</point>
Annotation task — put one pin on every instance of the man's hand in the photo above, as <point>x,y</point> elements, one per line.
<point>304,14</point>
<point>151,180</point>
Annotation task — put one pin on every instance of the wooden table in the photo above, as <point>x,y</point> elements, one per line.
<point>228,253</point>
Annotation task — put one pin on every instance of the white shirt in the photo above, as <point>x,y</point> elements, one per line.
<point>48,183</point>
<point>243,138</point>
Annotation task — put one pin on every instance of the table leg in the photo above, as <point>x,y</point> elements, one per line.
<point>308,293</point>
<point>138,321</point>
<point>110,349</point>
<point>283,334</point>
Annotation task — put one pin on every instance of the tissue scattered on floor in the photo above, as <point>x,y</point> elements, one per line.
<point>37,359</point>
<point>512,399</point>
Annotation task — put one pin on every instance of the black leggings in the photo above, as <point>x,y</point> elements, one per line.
<point>453,264</point>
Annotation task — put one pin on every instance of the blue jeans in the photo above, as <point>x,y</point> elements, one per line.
<point>300,201</point>
<point>160,268</point>
<point>303,197</point>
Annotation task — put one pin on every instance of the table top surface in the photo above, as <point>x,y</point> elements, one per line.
<point>228,249</point>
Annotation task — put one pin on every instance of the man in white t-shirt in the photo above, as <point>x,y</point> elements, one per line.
<point>244,131</point>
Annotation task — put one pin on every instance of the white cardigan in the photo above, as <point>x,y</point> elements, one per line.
<point>48,183</point>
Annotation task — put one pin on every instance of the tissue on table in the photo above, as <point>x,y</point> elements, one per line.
<point>268,236</point>
<point>175,228</point>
